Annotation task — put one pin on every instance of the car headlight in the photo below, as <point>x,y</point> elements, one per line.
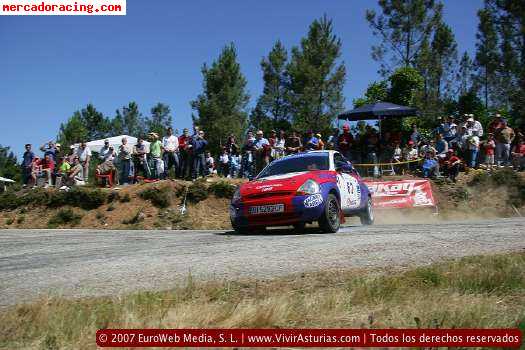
<point>237,195</point>
<point>309,187</point>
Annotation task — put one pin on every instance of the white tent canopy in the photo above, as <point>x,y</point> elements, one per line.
<point>115,141</point>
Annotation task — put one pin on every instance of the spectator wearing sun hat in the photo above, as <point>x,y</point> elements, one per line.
<point>473,126</point>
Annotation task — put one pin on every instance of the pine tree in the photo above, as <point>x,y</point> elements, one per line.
<point>444,59</point>
<point>222,105</point>
<point>96,124</point>
<point>160,119</point>
<point>403,27</point>
<point>73,131</point>
<point>274,101</point>
<point>464,75</point>
<point>8,164</point>
<point>487,56</point>
<point>129,121</point>
<point>316,78</point>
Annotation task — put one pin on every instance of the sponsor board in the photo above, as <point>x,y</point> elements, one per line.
<point>401,193</point>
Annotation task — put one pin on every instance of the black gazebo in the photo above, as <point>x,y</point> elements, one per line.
<point>378,111</point>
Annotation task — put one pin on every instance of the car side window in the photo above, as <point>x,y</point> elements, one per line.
<point>338,159</point>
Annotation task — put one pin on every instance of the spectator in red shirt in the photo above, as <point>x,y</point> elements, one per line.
<point>489,146</point>
<point>48,168</point>
<point>184,152</point>
<point>345,141</point>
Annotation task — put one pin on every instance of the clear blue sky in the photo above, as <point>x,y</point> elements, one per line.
<point>54,65</point>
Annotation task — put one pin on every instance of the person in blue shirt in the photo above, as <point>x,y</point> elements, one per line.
<point>51,149</point>
<point>199,144</point>
<point>311,142</point>
<point>27,163</point>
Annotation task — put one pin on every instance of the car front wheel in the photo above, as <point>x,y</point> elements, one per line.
<point>330,220</point>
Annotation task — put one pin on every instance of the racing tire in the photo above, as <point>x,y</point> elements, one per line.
<point>330,220</point>
<point>367,217</point>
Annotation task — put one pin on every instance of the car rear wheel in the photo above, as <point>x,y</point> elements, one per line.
<point>330,220</point>
<point>367,217</point>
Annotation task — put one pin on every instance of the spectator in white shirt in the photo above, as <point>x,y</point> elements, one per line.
<point>84,157</point>
<point>170,145</point>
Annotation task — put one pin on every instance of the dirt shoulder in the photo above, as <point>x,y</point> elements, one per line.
<point>476,195</point>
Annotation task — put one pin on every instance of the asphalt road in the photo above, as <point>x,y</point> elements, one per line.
<point>78,263</point>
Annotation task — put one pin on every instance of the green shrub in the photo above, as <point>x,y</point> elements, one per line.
<point>197,192</point>
<point>135,219</point>
<point>159,197</point>
<point>64,217</point>
<point>9,201</point>
<point>9,221</point>
<point>222,189</point>
<point>113,196</point>
<point>77,197</point>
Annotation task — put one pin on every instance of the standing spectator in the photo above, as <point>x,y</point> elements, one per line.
<point>272,140</point>
<point>441,146</point>
<point>231,145</point>
<point>27,163</point>
<point>331,143</point>
<point>320,144</point>
<point>518,155</point>
<point>488,147</point>
<point>262,151</point>
<point>293,143</point>
<point>235,165</point>
<point>170,146</point>
<point>452,163</point>
<point>474,126</point>
<point>199,161</point>
<point>250,140</point>
<point>345,142</point>
<point>140,160</point>
<point>311,142</point>
<point>450,129</point>
<point>279,146</point>
<point>184,153</point>
<point>210,164</point>
<point>155,151</point>
<point>124,153</point>
<point>84,157</point>
<point>496,124</point>
<point>415,137</point>
<point>50,148</point>
<point>473,148</point>
<point>224,163</point>
<point>504,138</point>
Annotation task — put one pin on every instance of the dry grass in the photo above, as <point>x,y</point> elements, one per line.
<point>484,291</point>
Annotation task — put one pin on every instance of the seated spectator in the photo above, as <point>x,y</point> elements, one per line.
<point>48,168</point>
<point>427,147</point>
<point>108,166</point>
<point>449,129</point>
<point>397,156</point>
<point>488,147</point>
<point>518,155</point>
<point>75,176</point>
<point>410,154</point>
<point>311,142</point>
<point>105,151</point>
<point>452,164</point>
<point>63,171</point>
<point>430,165</point>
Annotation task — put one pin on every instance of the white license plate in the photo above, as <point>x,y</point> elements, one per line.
<point>267,209</point>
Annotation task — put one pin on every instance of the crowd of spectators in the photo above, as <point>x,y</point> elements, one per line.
<point>452,146</point>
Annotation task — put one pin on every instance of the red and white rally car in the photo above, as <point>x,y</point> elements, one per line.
<point>317,186</point>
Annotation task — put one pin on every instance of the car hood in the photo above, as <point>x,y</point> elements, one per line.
<point>284,183</point>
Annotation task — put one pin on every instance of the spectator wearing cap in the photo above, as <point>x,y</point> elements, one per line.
<point>345,143</point>
<point>496,124</point>
<point>124,154</point>
<point>155,151</point>
<point>473,126</point>
<point>170,146</point>
<point>452,164</point>
<point>84,157</point>
<point>262,151</point>
<point>488,148</point>
<point>199,144</point>
<point>27,163</point>
<point>184,154</point>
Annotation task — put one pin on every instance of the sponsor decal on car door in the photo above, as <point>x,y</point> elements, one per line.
<point>349,190</point>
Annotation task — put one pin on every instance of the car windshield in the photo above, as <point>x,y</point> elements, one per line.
<point>296,164</point>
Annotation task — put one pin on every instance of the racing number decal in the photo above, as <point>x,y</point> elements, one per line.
<point>349,190</point>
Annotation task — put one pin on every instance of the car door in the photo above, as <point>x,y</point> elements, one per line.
<point>349,188</point>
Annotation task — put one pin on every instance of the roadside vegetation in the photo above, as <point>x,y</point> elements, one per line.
<point>481,291</point>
